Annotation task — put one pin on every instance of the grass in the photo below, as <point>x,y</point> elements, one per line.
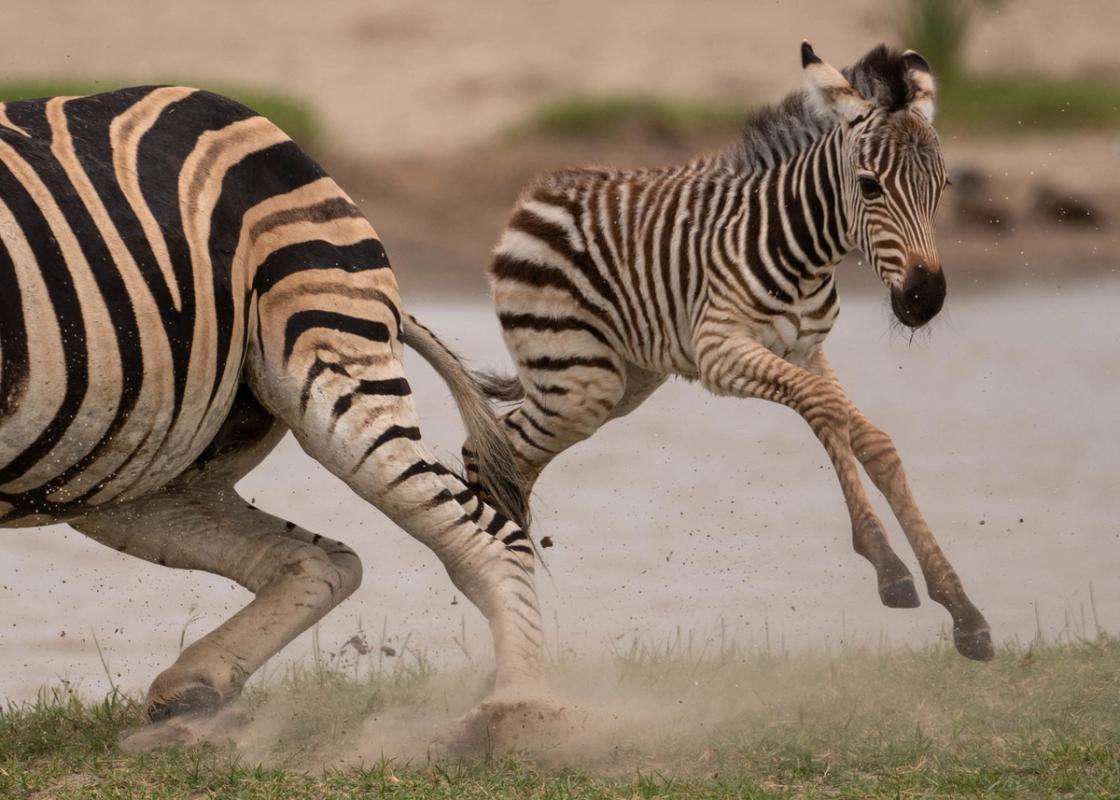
<point>1039,721</point>
<point>969,105</point>
<point>939,29</point>
<point>1017,104</point>
<point>585,116</point>
<point>290,114</point>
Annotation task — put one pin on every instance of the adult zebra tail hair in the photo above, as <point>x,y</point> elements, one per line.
<point>497,469</point>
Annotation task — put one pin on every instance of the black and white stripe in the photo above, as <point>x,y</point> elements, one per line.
<point>181,283</point>
<point>606,281</point>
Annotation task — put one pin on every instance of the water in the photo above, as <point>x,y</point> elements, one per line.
<point>718,517</point>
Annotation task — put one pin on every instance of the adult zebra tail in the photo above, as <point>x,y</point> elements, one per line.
<point>498,475</point>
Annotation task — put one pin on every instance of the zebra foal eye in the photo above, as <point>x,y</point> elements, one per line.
<point>870,186</point>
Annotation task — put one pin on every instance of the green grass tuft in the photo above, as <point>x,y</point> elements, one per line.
<point>1039,721</point>
<point>293,116</point>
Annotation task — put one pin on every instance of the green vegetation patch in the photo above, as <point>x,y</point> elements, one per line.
<point>293,116</point>
<point>1023,104</point>
<point>642,115</point>
<point>977,103</point>
<point>1039,721</point>
<point>969,105</point>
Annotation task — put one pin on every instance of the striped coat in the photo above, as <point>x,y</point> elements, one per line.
<point>182,284</point>
<point>721,270</point>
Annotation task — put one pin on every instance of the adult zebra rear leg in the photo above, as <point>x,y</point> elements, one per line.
<point>337,381</point>
<point>197,522</point>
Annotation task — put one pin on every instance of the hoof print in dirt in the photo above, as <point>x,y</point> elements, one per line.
<point>499,727</point>
<point>185,731</point>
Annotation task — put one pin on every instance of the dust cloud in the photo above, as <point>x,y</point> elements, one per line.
<point>596,723</point>
<point>652,710</point>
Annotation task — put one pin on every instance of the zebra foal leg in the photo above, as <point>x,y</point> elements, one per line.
<point>732,364</point>
<point>570,382</point>
<point>296,577</point>
<point>880,460</point>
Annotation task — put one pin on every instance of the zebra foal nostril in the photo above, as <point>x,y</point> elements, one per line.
<point>920,296</point>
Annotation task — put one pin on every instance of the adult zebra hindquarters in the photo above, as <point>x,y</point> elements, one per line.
<point>182,278</point>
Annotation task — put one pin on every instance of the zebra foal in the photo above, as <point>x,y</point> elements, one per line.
<point>721,270</point>
<point>182,284</point>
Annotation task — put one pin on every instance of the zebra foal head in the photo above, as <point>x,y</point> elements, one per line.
<point>891,173</point>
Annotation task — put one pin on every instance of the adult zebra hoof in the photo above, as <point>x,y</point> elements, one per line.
<point>900,593</point>
<point>976,645</point>
<point>500,726</point>
<point>196,700</point>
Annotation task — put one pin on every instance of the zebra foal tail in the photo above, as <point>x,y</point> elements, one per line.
<point>497,468</point>
<point>499,388</point>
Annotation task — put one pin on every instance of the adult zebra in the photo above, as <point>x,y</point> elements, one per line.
<point>181,285</point>
<point>721,270</point>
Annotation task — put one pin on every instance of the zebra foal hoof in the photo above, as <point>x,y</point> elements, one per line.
<point>976,645</point>
<point>900,593</point>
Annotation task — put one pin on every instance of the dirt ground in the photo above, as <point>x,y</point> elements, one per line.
<point>711,517</point>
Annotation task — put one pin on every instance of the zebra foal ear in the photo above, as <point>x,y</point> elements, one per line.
<point>830,94</point>
<point>919,77</point>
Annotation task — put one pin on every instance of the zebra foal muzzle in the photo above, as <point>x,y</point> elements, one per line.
<point>920,295</point>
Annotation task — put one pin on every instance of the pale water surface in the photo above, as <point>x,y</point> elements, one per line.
<point>711,516</point>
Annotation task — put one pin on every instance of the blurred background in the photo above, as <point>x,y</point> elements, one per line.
<point>706,516</point>
<point>433,114</point>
